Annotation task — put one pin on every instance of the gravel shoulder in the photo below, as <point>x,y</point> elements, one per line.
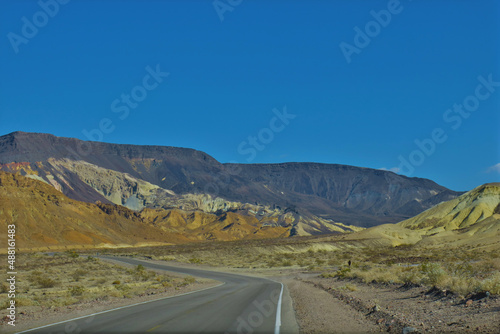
<point>329,305</point>
<point>317,311</point>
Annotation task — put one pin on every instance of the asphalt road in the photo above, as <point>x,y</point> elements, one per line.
<point>242,304</point>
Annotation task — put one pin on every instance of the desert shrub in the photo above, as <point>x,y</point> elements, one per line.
<point>492,284</point>
<point>122,287</point>
<point>115,293</point>
<point>287,263</point>
<point>44,281</point>
<point>343,272</point>
<point>58,301</point>
<point>20,301</point>
<point>194,260</point>
<point>141,274</point>
<point>272,263</point>
<point>311,267</point>
<point>464,269</point>
<point>485,268</point>
<point>79,273</point>
<point>166,284</point>
<point>34,276</point>
<point>463,285</point>
<point>326,275</point>
<point>72,254</point>
<point>410,275</point>
<point>144,275</point>
<point>24,301</point>
<point>320,262</point>
<point>77,290</point>
<point>302,263</point>
<point>377,274</point>
<point>189,280</point>
<point>433,274</point>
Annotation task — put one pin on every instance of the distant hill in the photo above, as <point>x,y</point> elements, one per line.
<point>472,218</point>
<point>317,198</point>
<point>44,217</point>
<point>469,209</point>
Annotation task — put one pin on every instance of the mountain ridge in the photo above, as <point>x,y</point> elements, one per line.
<point>345,194</point>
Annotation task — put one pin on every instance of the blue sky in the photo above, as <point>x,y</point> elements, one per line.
<point>83,69</point>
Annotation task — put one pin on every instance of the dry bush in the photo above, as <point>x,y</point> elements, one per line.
<point>20,301</point>
<point>45,282</point>
<point>433,274</point>
<point>77,290</point>
<point>492,284</point>
<point>189,280</point>
<point>79,273</point>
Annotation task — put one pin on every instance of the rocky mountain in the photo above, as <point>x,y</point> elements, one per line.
<point>315,198</point>
<point>472,218</point>
<point>44,217</point>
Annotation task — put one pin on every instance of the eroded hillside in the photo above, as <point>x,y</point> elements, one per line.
<point>46,218</point>
<point>472,218</point>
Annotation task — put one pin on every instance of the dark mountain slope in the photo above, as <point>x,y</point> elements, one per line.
<point>371,191</point>
<point>347,194</point>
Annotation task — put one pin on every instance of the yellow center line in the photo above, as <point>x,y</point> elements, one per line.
<point>152,329</point>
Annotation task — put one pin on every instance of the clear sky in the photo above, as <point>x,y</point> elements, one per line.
<point>350,82</point>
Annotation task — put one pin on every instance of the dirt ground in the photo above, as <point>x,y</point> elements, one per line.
<point>317,311</point>
<point>328,305</point>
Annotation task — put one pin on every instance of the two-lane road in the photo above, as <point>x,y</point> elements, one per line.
<point>242,304</point>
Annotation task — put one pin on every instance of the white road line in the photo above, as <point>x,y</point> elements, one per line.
<point>278,313</point>
<point>118,308</point>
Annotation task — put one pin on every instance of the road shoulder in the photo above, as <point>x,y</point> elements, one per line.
<point>317,311</point>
